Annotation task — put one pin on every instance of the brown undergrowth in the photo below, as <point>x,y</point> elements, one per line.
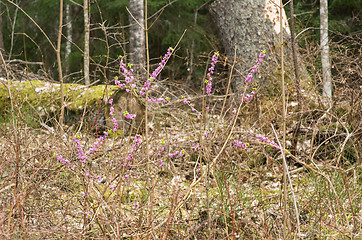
<point>198,184</point>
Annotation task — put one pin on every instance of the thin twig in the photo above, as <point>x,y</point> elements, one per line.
<point>282,150</point>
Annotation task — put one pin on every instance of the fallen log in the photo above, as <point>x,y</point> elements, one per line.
<point>39,101</point>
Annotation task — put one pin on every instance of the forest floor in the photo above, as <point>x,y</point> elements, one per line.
<point>191,183</point>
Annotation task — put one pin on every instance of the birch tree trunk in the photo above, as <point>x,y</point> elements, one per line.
<point>326,64</point>
<point>68,46</point>
<point>137,35</point>
<point>86,42</point>
<point>251,26</point>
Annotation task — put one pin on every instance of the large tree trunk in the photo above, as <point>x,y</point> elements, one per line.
<point>251,26</point>
<point>137,35</point>
<point>326,64</point>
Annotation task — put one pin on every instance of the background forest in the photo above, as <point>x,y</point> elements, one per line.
<point>23,40</point>
<point>206,140</point>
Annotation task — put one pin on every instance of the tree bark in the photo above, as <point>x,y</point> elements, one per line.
<point>251,26</point>
<point>296,129</point>
<point>1,30</point>
<point>326,64</point>
<point>86,42</point>
<point>61,117</point>
<point>68,46</point>
<point>137,35</point>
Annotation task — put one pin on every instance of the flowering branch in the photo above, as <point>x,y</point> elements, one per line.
<point>155,73</point>
<point>208,81</point>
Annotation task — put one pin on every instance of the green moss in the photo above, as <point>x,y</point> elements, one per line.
<point>35,92</point>
<point>33,97</point>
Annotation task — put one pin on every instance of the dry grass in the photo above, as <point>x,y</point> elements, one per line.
<point>218,192</point>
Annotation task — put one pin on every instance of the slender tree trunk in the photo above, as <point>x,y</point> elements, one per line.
<point>1,29</point>
<point>191,60</point>
<point>137,35</point>
<point>326,64</point>
<point>86,42</point>
<point>13,32</point>
<point>68,45</point>
<point>297,82</point>
<point>61,117</point>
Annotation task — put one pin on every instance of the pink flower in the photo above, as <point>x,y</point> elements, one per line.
<point>240,144</point>
<point>157,71</point>
<point>255,67</point>
<point>186,101</point>
<point>128,116</point>
<point>266,140</point>
<point>208,81</point>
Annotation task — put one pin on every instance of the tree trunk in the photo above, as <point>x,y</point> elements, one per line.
<point>1,30</point>
<point>68,45</point>
<point>86,42</point>
<point>326,64</point>
<point>59,43</point>
<point>251,26</point>
<point>137,35</point>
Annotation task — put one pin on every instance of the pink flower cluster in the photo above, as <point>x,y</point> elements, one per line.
<point>83,156</point>
<point>206,133</point>
<point>114,120</point>
<point>266,140</point>
<point>63,160</point>
<point>128,115</point>
<point>137,142</point>
<point>180,153</point>
<point>99,178</point>
<point>160,154</point>
<point>195,146</point>
<point>248,96</point>
<point>255,67</point>
<point>240,144</point>
<point>127,175</point>
<point>112,187</point>
<point>161,163</point>
<point>208,81</point>
<point>198,113</point>
<point>128,76</point>
<point>157,71</point>
<point>197,171</point>
<point>185,100</point>
<point>157,100</point>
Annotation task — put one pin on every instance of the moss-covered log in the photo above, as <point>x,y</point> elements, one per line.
<point>37,101</point>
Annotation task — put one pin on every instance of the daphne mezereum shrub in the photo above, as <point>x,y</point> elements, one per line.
<point>128,85</point>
